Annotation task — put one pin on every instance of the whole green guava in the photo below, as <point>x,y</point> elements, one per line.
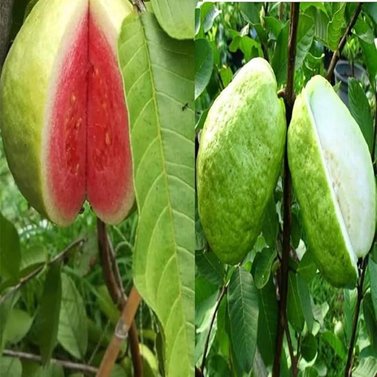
<point>333,181</point>
<point>239,160</point>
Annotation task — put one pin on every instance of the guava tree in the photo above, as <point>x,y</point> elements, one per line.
<point>97,256</point>
<point>286,284</point>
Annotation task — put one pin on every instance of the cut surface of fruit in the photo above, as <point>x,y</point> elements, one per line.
<point>108,150</point>
<point>64,117</point>
<point>66,129</point>
<point>348,168</point>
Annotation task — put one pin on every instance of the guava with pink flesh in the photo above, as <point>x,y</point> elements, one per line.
<point>63,112</point>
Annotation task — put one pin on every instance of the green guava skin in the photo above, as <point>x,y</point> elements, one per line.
<point>324,235</point>
<point>239,160</point>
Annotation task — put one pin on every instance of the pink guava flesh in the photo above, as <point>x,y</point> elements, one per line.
<point>108,149</point>
<point>89,152</point>
<point>67,140</point>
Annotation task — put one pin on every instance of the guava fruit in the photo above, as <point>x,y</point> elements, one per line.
<point>239,160</point>
<point>63,113</point>
<point>333,181</point>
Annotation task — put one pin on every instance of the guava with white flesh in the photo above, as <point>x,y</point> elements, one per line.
<point>63,112</point>
<point>239,160</point>
<point>333,181</point>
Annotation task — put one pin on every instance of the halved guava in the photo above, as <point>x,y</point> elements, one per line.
<point>333,180</point>
<point>63,112</point>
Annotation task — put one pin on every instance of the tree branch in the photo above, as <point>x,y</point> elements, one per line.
<point>86,369</point>
<point>6,8</point>
<point>343,40</point>
<point>122,328</point>
<point>221,295</point>
<point>59,257</point>
<point>360,295</point>
<point>115,287</point>
<point>287,199</point>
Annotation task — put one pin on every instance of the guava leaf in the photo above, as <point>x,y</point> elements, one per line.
<point>176,17</point>
<point>305,36</point>
<point>294,311</point>
<point>47,319</point>
<point>243,311</point>
<point>10,367</point>
<point>267,322</point>
<point>73,329</point>
<point>203,65</point>
<point>158,75</point>
<point>360,110</point>
<point>10,254</point>
<point>335,343</point>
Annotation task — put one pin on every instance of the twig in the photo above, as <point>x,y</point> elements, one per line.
<point>284,268</point>
<point>115,287</point>
<point>343,40</point>
<point>59,257</point>
<point>139,4</point>
<point>64,363</point>
<point>6,8</point>
<point>120,334</point>
<point>360,295</point>
<point>221,295</point>
<point>294,358</point>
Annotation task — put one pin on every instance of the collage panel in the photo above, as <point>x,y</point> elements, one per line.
<point>97,199</point>
<point>286,263</point>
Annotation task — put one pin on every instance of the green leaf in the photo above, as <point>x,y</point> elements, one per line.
<point>6,306</point>
<point>73,329</point>
<point>243,310</point>
<point>267,322</point>
<point>321,22</point>
<point>335,343</point>
<point>10,255</point>
<point>209,13</point>
<point>348,311</point>
<point>366,367</point>
<point>305,298</point>
<point>47,320</point>
<point>372,266</point>
<point>176,17</point>
<point>371,10</point>
<point>17,326</point>
<point>369,51</point>
<point>226,75</point>
<point>261,268</point>
<point>10,367</point>
<point>251,11</point>
<point>336,25</point>
<point>309,347</point>
<point>158,74</point>
<point>370,319</point>
<point>305,36</point>
<point>307,267</point>
<point>203,65</point>
<point>360,110</point>
<point>210,267</point>
<point>280,58</point>
<point>294,305</point>
<point>270,226</point>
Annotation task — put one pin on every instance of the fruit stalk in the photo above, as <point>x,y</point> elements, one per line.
<point>337,52</point>
<point>283,276</point>
<point>115,287</point>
